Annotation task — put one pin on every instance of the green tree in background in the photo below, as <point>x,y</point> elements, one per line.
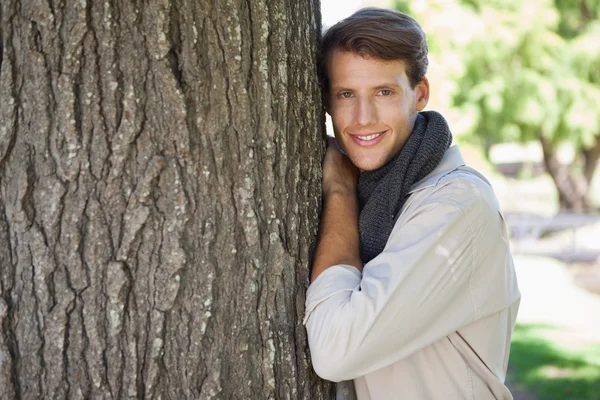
<point>531,71</point>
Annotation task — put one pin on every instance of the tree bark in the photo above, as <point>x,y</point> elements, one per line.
<point>573,191</point>
<point>159,190</point>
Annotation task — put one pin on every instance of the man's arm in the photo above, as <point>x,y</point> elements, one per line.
<point>338,241</point>
<point>409,296</point>
<point>444,266</point>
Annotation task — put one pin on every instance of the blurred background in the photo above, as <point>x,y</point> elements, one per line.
<point>519,82</point>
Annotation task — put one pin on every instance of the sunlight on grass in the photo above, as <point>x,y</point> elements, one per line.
<point>550,371</point>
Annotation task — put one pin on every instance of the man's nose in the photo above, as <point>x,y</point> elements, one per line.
<point>366,112</point>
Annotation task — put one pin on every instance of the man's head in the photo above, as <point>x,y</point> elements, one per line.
<point>372,67</point>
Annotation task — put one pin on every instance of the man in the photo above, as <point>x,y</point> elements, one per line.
<point>413,291</point>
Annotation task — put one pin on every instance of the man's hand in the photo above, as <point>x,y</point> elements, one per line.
<point>338,233</point>
<point>339,174</point>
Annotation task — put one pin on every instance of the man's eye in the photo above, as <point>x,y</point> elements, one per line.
<point>346,95</point>
<point>385,92</point>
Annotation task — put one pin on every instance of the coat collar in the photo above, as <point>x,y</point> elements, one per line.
<point>451,161</point>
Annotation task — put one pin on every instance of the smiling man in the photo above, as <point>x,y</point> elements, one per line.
<point>413,291</point>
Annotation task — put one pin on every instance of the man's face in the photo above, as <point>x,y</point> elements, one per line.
<point>372,106</point>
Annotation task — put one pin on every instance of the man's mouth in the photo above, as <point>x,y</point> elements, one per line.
<point>369,139</point>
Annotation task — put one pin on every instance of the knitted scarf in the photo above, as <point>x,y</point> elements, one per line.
<point>382,192</point>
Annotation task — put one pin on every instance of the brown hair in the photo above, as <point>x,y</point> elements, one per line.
<point>380,33</point>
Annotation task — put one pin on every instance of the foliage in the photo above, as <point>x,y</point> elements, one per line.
<point>552,372</point>
<point>533,81</point>
<point>527,71</point>
<point>529,68</point>
<point>575,15</point>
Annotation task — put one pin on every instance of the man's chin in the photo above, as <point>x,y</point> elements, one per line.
<point>365,165</point>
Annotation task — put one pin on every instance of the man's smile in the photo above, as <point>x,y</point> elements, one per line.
<point>368,139</point>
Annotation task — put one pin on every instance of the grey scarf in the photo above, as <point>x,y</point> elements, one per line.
<point>382,192</point>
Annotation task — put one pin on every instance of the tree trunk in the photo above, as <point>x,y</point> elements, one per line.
<point>591,157</point>
<point>573,191</point>
<point>159,190</point>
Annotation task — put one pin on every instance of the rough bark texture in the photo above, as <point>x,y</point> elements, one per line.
<point>159,189</point>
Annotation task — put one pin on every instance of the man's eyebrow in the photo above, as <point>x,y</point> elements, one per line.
<point>341,89</point>
<point>385,85</point>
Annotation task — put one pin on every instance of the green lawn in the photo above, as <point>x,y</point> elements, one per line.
<point>550,371</point>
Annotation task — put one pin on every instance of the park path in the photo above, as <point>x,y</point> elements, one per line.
<point>549,296</point>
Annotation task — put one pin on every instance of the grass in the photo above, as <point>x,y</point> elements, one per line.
<point>551,372</point>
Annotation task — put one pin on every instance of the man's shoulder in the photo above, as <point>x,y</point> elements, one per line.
<point>464,187</point>
<point>463,182</point>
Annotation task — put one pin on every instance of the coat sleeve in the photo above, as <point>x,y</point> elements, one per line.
<point>414,293</point>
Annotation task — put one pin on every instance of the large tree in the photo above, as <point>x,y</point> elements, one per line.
<point>159,190</point>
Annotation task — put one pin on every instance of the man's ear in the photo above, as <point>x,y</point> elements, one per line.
<point>422,94</point>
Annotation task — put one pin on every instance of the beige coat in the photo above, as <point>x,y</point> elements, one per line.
<point>431,317</point>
